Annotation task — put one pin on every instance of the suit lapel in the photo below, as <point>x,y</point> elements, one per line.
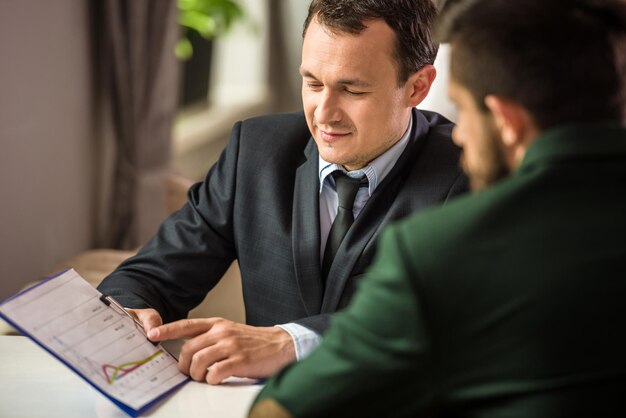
<point>305,231</point>
<point>372,217</point>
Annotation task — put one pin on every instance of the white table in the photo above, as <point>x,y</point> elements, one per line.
<point>33,384</point>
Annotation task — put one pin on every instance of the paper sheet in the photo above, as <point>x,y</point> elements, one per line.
<point>67,317</point>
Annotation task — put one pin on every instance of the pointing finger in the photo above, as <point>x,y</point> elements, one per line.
<point>185,328</point>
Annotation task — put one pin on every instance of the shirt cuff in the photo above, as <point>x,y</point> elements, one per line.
<point>304,339</point>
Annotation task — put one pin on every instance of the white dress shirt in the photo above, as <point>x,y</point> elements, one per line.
<point>305,339</point>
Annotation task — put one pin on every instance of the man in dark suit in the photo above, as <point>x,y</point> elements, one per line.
<point>271,200</point>
<point>508,302</point>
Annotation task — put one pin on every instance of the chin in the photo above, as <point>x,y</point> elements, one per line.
<point>330,156</point>
<point>485,175</point>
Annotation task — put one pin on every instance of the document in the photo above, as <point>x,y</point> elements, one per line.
<point>96,338</point>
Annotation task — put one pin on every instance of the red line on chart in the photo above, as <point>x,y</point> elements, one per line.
<point>117,372</point>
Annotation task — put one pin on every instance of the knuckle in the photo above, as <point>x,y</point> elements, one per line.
<point>235,344</point>
<point>244,357</point>
<point>197,369</point>
<point>232,345</point>
<point>221,332</point>
<point>198,358</point>
<point>197,375</point>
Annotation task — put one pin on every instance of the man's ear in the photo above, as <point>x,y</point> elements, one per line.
<point>418,84</point>
<point>512,120</point>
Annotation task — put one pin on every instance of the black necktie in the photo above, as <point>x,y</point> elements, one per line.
<point>347,188</point>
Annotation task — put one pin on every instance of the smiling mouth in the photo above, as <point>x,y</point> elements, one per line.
<point>327,136</point>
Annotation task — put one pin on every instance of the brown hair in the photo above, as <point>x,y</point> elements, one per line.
<point>411,21</point>
<point>563,60</point>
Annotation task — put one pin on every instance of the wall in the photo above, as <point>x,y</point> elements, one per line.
<point>437,99</point>
<point>45,137</point>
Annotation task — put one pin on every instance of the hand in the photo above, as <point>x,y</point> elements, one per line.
<point>220,348</point>
<point>149,318</point>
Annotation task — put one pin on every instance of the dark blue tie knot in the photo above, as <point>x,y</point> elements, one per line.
<point>347,188</point>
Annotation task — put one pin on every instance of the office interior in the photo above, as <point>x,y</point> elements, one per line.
<point>60,140</point>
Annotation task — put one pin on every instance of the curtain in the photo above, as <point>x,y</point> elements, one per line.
<point>137,93</point>
<point>285,39</point>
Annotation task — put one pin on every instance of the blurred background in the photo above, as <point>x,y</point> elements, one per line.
<point>106,117</point>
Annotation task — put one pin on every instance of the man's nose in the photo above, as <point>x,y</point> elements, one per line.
<point>457,136</point>
<point>328,110</point>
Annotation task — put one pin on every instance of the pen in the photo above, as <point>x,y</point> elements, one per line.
<point>109,301</point>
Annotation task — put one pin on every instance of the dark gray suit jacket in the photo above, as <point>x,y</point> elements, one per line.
<point>259,204</point>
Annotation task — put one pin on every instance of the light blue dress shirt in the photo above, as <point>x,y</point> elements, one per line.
<point>306,340</point>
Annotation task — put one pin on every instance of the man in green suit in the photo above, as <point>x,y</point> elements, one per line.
<point>510,302</point>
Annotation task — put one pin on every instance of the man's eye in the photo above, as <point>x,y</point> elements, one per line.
<point>314,86</point>
<point>355,93</point>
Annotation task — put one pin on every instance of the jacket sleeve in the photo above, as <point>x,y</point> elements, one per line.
<point>191,251</point>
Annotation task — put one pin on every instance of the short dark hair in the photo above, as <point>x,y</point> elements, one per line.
<point>411,20</point>
<point>563,60</point>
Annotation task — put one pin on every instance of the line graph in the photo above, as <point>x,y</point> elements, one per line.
<point>67,316</point>
<point>123,369</point>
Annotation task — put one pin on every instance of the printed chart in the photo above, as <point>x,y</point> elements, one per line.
<point>69,318</point>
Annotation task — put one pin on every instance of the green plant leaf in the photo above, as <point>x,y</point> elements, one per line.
<point>183,49</point>
<point>205,25</point>
<point>209,18</point>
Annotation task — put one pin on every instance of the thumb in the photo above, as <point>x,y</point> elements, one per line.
<point>149,318</point>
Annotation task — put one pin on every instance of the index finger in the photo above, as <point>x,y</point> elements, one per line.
<point>184,328</point>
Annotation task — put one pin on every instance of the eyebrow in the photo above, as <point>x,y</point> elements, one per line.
<point>345,81</point>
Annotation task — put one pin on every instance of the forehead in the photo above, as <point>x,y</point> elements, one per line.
<point>327,49</point>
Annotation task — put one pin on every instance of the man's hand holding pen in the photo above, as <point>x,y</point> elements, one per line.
<point>148,318</point>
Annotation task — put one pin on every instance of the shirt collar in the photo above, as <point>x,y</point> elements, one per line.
<point>376,170</point>
<point>576,140</point>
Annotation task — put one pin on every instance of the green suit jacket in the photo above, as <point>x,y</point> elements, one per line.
<point>510,302</point>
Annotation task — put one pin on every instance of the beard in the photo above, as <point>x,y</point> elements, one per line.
<point>492,166</point>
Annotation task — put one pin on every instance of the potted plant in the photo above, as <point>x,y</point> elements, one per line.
<point>201,21</point>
